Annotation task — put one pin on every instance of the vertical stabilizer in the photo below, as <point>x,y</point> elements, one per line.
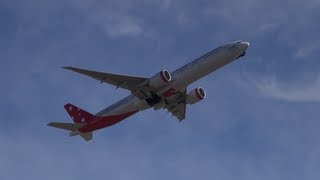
<point>79,115</point>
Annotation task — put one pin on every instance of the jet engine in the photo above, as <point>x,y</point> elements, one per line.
<point>160,79</point>
<point>195,96</point>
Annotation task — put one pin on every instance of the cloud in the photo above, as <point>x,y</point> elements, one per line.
<point>306,51</point>
<point>298,92</point>
<point>116,18</point>
<point>123,28</point>
<point>267,27</point>
<point>117,25</point>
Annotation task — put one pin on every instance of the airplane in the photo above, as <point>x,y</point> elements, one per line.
<point>164,90</point>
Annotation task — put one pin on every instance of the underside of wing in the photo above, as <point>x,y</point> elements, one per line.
<point>122,81</point>
<point>176,103</point>
<point>178,110</point>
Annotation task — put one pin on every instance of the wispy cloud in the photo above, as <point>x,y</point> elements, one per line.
<point>306,51</point>
<point>116,19</point>
<point>297,92</point>
<point>267,27</point>
<point>116,26</point>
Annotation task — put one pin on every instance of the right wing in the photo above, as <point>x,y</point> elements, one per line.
<point>176,104</point>
<point>178,110</point>
<point>125,82</point>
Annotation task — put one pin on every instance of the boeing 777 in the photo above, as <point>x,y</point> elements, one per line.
<point>164,90</point>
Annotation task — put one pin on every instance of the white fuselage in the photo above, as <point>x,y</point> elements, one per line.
<point>183,76</point>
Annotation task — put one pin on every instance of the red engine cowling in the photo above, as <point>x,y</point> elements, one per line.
<point>196,95</point>
<point>160,79</point>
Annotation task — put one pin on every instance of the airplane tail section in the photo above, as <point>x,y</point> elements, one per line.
<point>80,118</point>
<point>78,115</point>
<point>66,126</point>
<point>73,128</point>
<point>86,136</point>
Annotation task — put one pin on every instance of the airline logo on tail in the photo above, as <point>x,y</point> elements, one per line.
<point>78,115</point>
<point>80,119</point>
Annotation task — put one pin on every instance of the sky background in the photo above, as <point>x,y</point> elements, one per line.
<point>260,119</point>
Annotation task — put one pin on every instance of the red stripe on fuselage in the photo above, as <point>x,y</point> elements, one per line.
<point>102,122</point>
<point>170,92</point>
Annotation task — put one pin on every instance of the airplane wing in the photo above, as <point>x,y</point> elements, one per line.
<point>176,103</point>
<point>125,82</point>
<point>178,110</point>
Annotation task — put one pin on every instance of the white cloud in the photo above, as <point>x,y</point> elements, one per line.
<point>116,20</point>
<point>304,52</point>
<point>271,87</point>
<point>267,27</point>
<point>122,26</point>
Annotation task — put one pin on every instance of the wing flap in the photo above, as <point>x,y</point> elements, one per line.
<point>178,110</point>
<point>176,104</point>
<point>122,81</point>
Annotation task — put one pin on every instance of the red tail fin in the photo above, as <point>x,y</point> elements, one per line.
<point>78,115</point>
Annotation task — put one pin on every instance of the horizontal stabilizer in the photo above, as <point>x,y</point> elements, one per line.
<point>66,126</point>
<point>73,127</point>
<point>86,136</point>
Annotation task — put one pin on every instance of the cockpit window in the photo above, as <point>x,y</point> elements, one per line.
<point>238,42</point>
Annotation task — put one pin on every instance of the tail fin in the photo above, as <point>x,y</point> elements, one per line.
<point>78,115</point>
<point>80,118</point>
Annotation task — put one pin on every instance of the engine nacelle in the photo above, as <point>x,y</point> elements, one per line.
<point>160,79</point>
<point>196,95</point>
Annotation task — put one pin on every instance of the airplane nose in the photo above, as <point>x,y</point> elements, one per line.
<point>242,47</point>
<point>245,45</point>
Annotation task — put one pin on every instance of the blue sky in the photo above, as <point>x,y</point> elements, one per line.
<point>260,119</point>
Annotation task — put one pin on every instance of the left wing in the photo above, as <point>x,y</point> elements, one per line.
<point>125,82</point>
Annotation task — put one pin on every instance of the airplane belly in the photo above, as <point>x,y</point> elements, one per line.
<point>201,69</point>
<point>128,104</point>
